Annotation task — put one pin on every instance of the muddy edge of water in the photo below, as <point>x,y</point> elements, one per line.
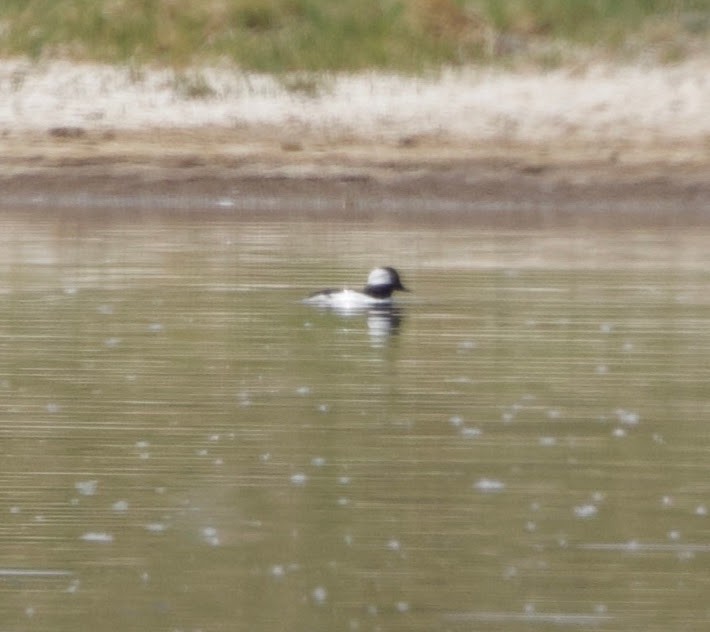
<point>493,183</point>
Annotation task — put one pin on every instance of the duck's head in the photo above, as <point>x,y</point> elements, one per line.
<point>381,282</point>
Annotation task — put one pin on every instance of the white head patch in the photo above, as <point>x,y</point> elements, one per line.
<point>379,276</point>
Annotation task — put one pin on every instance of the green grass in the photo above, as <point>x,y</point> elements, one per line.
<point>326,35</point>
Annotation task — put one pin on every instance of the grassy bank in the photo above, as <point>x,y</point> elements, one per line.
<point>322,35</point>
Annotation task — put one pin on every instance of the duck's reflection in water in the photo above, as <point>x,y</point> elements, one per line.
<point>383,322</point>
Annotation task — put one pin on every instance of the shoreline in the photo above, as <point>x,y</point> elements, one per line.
<point>462,143</point>
<point>488,185</point>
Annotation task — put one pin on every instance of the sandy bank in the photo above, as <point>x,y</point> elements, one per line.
<point>598,103</point>
<point>601,133</point>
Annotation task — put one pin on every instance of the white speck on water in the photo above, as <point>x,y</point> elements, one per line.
<point>627,417</point>
<point>456,421</point>
<point>530,526</point>
<point>320,595</point>
<point>156,328</point>
<point>86,488</point>
<point>601,369</point>
<point>489,485</point>
<point>73,586</point>
<point>225,203</point>
<point>277,570</point>
<point>344,480</point>
<point>112,342</point>
<point>120,506</point>
<point>619,433</point>
<point>202,452</point>
<point>470,433</point>
<point>394,545</point>
<point>15,510</point>
<point>554,413</point>
<point>685,556</point>
<point>52,408</point>
<point>210,536</point>
<point>299,479</point>
<point>547,441</point>
<point>265,457</point>
<point>318,461</point>
<point>585,511</point>
<point>97,536</point>
<point>343,501</point>
<point>105,309</point>
<point>29,612</point>
<point>507,417</point>
<point>667,501</point>
<point>303,390</point>
<point>701,510</point>
<point>213,437</point>
<point>467,345</point>
<point>674,535</point>
<point>627,346</point>
<point>141,445</point>
<point>510,572</point>
<point>402,606</point>
<point>323,408</point>
<point>606,328</point>
<point>156,527</point>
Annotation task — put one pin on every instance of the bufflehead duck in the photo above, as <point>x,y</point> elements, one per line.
<point>381,283</point>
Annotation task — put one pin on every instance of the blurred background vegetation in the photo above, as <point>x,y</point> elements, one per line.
<point>347,35</point>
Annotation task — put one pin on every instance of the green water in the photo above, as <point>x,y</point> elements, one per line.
<point>185,446</point>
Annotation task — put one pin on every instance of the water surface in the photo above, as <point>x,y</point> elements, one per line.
<point>185,446</point>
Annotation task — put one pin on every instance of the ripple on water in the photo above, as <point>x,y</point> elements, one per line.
<point>489,485</point>
<point>97,536</point>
